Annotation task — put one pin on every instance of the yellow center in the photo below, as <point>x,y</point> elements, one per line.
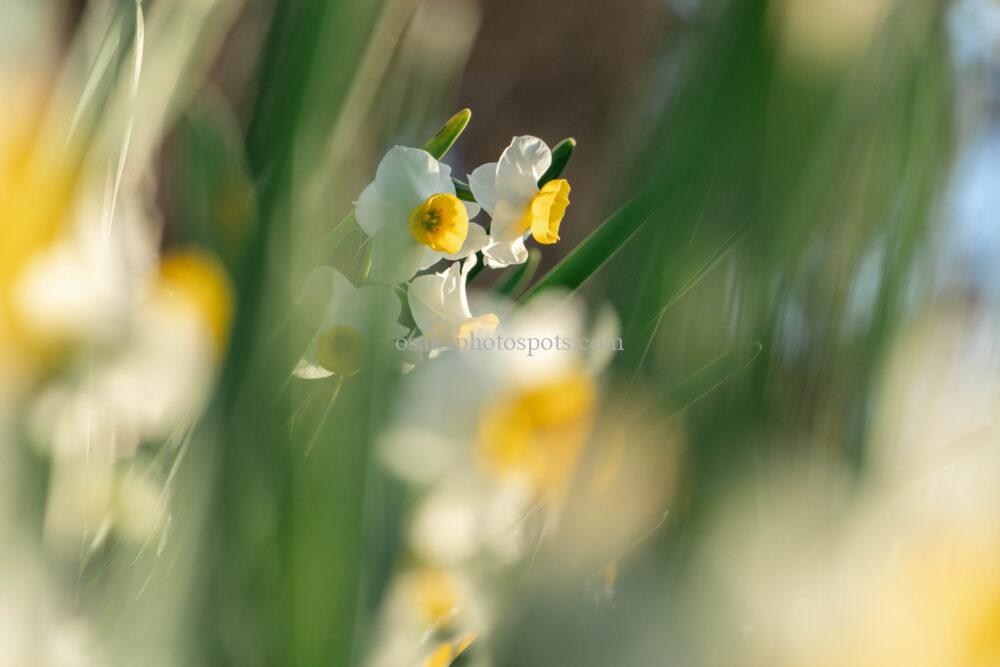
<point>546,211</point>
<point>341,350</point>
<point>538,433</point>
<point>441,223</point>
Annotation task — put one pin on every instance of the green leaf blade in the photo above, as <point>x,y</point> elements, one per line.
<point>595,250</point>
<point>561,155</point>
<point>441,143</point>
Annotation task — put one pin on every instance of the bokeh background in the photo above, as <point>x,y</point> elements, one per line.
<point>803,201</point>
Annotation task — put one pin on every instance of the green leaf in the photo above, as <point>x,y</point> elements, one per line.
<point>463,191</point>
<point>599,246</point>
<point>698,385</point>
<point>440,143</point>
<point>561,154</point>
<point>520,277</point>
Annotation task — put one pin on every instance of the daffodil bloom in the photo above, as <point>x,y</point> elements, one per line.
<point>345,319</point>
<point>509,192</point>
<point>414,217</point>
<point>440,307</point>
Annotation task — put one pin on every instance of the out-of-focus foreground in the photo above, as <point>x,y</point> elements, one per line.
<point>288,375</point>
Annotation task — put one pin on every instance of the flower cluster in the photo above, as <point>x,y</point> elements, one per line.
<point>415,217</point>
<point>489,445</point>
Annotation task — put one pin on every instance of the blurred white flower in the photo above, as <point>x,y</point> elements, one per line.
<point>495,435</point>
<point>901,567</point>
<point>154,382</point>
<point>345,319</point>
<point>89,499</point>
<point>508,190</point>
<point>430,616</point>
<point>440,307</point>
<point>413,216</point>
<point>37,626</point>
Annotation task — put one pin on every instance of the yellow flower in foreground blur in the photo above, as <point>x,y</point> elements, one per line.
<point>413,216</point>
<point>538,432</point>
<point>36,198</point>
<point>200,280</point>
<point>508,190</point>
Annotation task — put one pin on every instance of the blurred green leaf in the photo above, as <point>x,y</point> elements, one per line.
<point>698,385</point>
<point>215,192</point>
<point>441,143</point>
<point>561,155</point>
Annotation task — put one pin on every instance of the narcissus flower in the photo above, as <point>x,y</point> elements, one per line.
<point>414,217</point>
<point>509,192</point>
<point>440,307</point>
<point>346,319</point>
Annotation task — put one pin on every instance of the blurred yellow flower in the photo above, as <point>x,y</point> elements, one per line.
<point>538,432</point>
<point>37,191</point>
<point>199,279</point>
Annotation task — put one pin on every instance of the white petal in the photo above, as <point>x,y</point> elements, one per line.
<point>499,254</point>
<point>396,256</point>
<point>483,183</point>
<point>380,308</point>
<point>308,367</point>
<point>408,176</point>
<point>438,303</point>
<point>472,209</point>
<point>322,289</point>
<point>374,212</point>
<point>521,165</point>
<point>505,226</point>
<point>474,242</point>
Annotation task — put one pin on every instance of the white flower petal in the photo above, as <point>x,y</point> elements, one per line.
<point>472,209</point>
<point>380,308</point>
<point>427,304</point>
<point>407,176</point>
<point>520,167</point>
<point>506,225</point>
<point>308,367</point>
<point>324,289</point>
<point>499,254</point>
<point>483,183</point>
<point>396,256</point>
<point>374,212</point>
<point>474,242</point>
